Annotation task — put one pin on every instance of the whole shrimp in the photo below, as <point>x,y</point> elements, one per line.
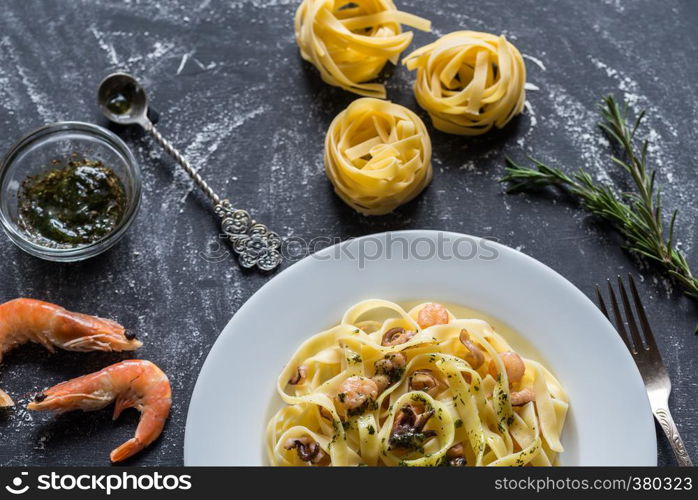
<point>28,320</point>
<point>134,383</point>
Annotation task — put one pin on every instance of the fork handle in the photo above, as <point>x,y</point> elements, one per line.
<point>663,416</point>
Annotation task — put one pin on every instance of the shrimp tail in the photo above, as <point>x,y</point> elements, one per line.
<point>5,400</point>
<point>150,427</point>
<point>126,450</point>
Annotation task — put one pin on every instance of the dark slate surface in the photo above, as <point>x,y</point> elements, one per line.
<point>236,97</point>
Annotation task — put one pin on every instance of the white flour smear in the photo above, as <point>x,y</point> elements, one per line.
<point>29,83</point>
<point>658,131</point>
<point>206,142</point>
<point>579,125</point>
<point>535,61</point>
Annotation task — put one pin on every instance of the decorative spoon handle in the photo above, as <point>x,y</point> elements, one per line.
<point>254,243</point>
<point>172,151</point>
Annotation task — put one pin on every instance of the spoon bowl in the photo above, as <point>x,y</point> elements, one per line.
<point>122,99</point>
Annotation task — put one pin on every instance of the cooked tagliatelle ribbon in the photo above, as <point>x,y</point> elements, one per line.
<point>469,81</point>
<point>377,156</point>
<point>427,404</point>
<point>350,41</point>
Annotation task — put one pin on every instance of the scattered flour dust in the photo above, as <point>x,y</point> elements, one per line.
<point>616,4</point>
<point>469,166</point>
<point>190,56</point>
<point>535,61</point>
<point>183,62</point>
<point>531,114</point>
<point>29,87</point>
<point>528,107</point>
<point>140,60</point>
<point>633,96</point>
<point>631,90</point>
<point>106,46</point>
<point>586,136</point>
<point>265,3</point>
<point>531,86</point>
<point>533,119</point>
<point>206,142</point>
<point>579,123</point>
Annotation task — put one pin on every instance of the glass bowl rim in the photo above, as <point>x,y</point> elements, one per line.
<point>92,249</point>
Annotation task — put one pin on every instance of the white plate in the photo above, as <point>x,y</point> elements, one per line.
<point>609,423</point>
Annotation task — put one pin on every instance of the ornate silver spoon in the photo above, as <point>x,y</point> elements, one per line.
<point>122,100</point>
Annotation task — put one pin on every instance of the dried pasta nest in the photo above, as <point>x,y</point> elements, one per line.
<point>350,41</point>
<point>377,156</point>
<point>469,81</point>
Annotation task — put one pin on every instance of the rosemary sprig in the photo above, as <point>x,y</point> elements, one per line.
<point>636,215</point>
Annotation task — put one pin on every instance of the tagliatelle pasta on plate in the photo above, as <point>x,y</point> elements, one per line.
<point>377,155</point>
<point>469,81</point>
<point>420,388</point>
<point>350,41</point>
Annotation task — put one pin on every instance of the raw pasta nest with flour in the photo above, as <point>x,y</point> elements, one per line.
<point>350,42</point>
<point>469,81</point>
<point>436,406</point>
<point>377,155</point>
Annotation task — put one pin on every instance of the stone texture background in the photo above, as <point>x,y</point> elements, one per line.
<point>235,96</point>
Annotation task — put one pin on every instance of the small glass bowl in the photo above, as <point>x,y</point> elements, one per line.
<point>33,155</point>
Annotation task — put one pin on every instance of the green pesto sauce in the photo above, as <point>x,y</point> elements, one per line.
<point>72,204</point>
<point>119,104</point>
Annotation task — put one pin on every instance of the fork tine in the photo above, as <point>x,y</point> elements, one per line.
<point>604,310</point>
<point>646,329</point>
<point>602,304</point>
<point>630,316</point>
<point>620,326</point>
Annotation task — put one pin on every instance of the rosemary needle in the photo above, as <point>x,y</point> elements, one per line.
<point>637,215</point>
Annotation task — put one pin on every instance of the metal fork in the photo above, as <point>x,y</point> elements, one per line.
<point>648,360</point>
